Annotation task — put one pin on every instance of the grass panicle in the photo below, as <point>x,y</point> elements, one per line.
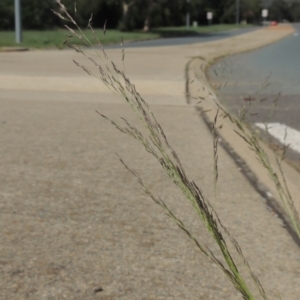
<point>156,143</point>
<point>215,149</point>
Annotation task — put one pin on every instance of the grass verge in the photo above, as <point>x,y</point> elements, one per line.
<point>55,38</point>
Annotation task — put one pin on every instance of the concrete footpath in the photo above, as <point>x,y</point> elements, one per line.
<point>75,225</point>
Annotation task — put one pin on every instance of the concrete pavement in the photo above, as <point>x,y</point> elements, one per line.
<point>75,225</point>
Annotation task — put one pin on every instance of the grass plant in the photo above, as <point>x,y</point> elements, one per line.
<point>156,143</point>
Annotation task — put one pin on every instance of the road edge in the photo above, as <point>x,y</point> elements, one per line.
<point>273,204</point>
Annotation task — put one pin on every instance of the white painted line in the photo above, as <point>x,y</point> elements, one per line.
<point>285,134</point>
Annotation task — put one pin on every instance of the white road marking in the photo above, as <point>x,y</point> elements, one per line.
<point>285,134</point>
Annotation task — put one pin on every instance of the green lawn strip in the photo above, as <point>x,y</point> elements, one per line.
<point>183,31</point>
<point>55,38</point>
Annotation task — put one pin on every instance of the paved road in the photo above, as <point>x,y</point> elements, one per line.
<point>200,38</point>
<point>263,74</point>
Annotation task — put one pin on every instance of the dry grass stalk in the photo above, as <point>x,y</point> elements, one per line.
<point>215,149</point>
<point>156,143</point>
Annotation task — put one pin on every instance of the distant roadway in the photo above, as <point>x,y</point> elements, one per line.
<point>264,73</point>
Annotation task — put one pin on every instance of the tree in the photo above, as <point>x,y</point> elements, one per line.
<point>81,10</point>
<point>295,11</point>
<point>250,11</point>
<point>280,10</point>
<point>37,14</point>
<point>127,22</point>
<point>6,14</point>
<point>141,13</point>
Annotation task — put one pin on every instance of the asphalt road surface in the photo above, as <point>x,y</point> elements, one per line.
<point>255,80</point>
<point>200,38</point>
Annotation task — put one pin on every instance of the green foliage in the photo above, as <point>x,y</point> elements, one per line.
<point>295,11</point>
<point>280,10</point>
<point>142,14</point>
<point>250,11</point>
<point>6,14</point>
<point>129,15</point>
<point>109,11</point>
<point>37,14</point>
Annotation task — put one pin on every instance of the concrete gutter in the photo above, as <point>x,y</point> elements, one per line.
<point>13,49</point>
<point>231,142</point>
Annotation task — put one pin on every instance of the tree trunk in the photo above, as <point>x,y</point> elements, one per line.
<point>146,24</point>
<point>126,7</point>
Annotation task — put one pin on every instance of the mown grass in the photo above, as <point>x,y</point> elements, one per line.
<point>55,38</point>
